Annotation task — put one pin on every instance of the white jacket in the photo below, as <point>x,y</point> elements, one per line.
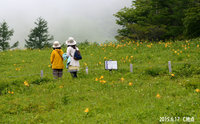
<point>70,52</point>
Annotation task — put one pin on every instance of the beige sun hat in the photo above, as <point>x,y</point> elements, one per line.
<point>56,44</point>
<point>71,41</point>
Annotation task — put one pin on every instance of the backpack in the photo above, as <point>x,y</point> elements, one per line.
<point>77,55</point>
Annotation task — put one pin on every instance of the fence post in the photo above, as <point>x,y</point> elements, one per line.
<point>86,70</point>
<point>41,74</point>
<point>131,68</point>
<point>169,66</point>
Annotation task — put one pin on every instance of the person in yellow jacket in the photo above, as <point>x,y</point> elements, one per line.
<point>57,60</point>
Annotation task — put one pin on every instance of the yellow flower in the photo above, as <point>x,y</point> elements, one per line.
<point>197,90</point>
<point>181,51</point>
<point>9,92</point>
<point>101,78</point>
<point>198,45</point>
<point>103,81</point>
<point>23,61</point>
<point>99,63</point>
<point>14,64</point>
<point>96,79</point>
<point>122,79</point>
<point>130,84</point>
<point>172,75</point>
<point>131,56</point>
<point>175,51</point>
<point>149,46</point>
<point>158,96</point>
<point>61,86</point>
<point>86,110</point>
<point>49,66</point>
<point>104,58</point>
<point>26,83</point>
<point>85,64</point>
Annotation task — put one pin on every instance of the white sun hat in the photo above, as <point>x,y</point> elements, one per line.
<point>71,41</point>
<point>56,44</point>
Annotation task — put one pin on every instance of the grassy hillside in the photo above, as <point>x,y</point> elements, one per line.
<point>144,96</point>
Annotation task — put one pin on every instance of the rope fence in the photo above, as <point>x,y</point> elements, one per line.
<point>87,69</point>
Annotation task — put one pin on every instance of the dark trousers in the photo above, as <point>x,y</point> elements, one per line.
<point>74,74</point>
<point>57,73</point>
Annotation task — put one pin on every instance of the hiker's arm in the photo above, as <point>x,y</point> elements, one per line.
<point>52,57</point>
<point>68,51</point>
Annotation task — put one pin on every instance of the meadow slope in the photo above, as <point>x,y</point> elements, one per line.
<point>144,96</point>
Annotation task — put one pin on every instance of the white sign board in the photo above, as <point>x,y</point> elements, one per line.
<point>111,65</point>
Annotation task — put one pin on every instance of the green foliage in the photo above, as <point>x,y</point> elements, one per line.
<point>155,71</point>
<point>187,70</point>
<point>39,37</point>
<point>5,35</point>
<point>191,22</point>
<point>40,81</point>
<point>157,20</point>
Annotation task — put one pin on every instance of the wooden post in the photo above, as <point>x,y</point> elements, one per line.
<point>86,70</point>
<point>131,68</point>
<point>41,74</point>
<point>169,66</point>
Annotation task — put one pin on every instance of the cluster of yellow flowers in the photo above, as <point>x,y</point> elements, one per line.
<point>10,92</point>
<point>127,59</point>
<point>101,80</point>
<point>26,84</point>
<point>17,69</point>
<point>177,51</point>
<point>167,44</point>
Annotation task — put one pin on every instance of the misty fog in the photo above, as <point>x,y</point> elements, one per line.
<point>90,20</point>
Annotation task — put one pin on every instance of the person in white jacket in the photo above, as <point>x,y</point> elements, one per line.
<point>74,64</point>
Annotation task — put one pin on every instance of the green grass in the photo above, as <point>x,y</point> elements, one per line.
<point>114,101</point>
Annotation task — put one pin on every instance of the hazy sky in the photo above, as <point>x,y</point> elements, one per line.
<point>90,20</point>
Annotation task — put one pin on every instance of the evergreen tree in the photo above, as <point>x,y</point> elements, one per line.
<point>5,35</point>
<point>39,36</point>
<point>159,20</point>
<point>192,20</point>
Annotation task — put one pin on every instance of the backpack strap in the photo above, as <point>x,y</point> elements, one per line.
<point>59,54</point>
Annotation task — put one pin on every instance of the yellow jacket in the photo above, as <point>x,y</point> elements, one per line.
<point>56,59</point>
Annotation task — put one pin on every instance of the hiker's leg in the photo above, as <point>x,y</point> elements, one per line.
<point>75,74</point>
<point>55,73</point>
<point>60,73</point>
